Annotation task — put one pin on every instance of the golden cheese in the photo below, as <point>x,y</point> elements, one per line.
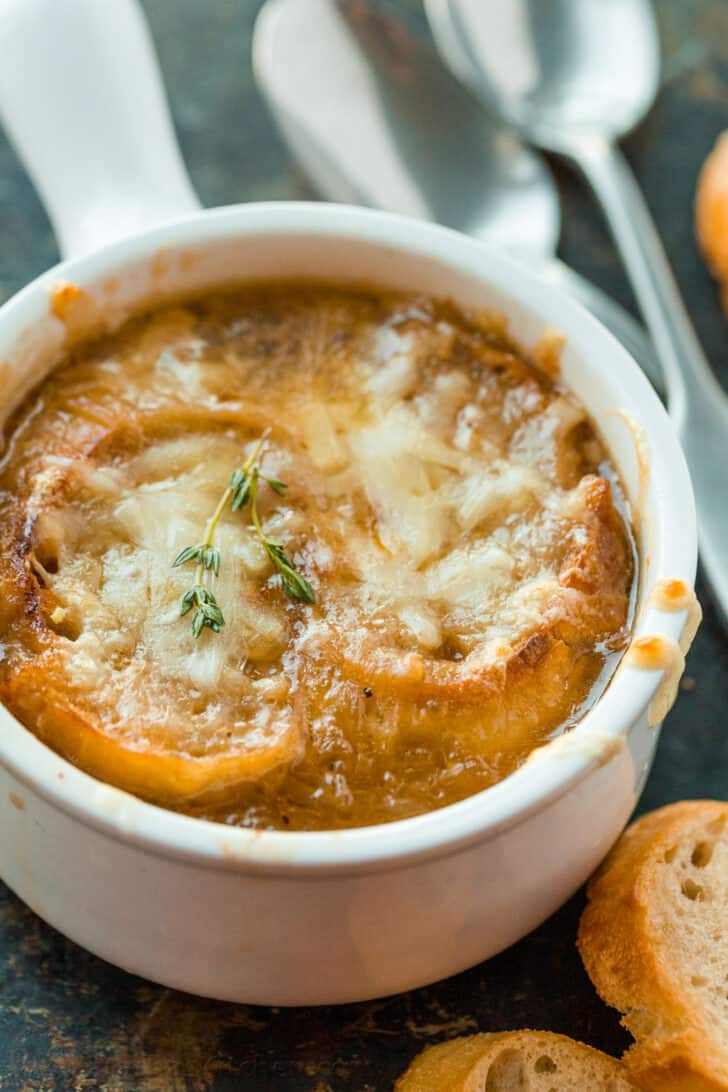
<point>446,499</point>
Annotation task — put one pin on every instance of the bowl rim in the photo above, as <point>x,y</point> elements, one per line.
<point>535,784</point>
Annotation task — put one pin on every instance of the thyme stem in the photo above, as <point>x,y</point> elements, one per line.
<point>241,490</point>
<point>211,525</point>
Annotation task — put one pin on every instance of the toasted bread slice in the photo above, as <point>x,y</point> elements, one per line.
<point>514,1061</point>
<point>654,940</point>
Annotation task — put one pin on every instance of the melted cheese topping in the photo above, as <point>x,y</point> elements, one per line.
<point>445,498</point>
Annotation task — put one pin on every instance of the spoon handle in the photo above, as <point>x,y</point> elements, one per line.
<point>697,403</point>
<point>659,298</point>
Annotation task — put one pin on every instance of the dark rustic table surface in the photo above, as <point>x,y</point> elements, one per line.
<point>70,1021</point>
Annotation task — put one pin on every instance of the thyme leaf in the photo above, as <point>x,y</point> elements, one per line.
<point>293,583</point>
<point>207,556</point>
<point>207,613</point>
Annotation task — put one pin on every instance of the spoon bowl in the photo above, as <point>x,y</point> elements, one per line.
<point>555,69</point>
<point>373,117</point>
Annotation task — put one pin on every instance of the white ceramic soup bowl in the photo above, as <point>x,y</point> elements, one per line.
<point>306,918</point>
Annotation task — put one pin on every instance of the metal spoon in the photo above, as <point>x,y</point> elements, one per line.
<point>374,118</point>
<point>573,76</point>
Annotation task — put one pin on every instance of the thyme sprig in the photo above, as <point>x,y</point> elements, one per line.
<point>242,490</point>
<point>294,584</point>
<point>207,612</point>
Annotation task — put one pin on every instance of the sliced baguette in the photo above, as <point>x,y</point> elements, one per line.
<point>654,941</point>
<point>514,1061</point>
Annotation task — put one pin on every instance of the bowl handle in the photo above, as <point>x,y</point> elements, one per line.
<point>82,100</point>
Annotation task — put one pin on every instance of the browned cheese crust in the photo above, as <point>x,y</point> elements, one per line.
<point>449,502</point>
<point>654,940</point>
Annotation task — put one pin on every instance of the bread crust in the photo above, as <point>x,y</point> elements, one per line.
<point>630,961</point>
<point>464,1065</point>
<point>39,695</point>
<point>711,213</point>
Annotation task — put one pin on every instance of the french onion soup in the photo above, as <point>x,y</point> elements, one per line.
<point>295,557</point>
